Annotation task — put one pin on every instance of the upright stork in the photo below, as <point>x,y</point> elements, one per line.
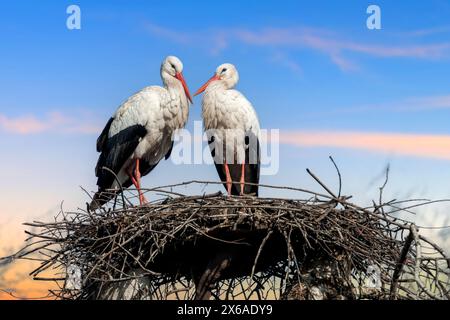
<point>233,131</point>
<point>139,134</point>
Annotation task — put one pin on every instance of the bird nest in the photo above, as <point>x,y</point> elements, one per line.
<point>222,247</point>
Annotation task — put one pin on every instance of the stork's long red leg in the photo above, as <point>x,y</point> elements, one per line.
<point>137,174</point>
<point>228,176</point>
<point>242,178</point>
<point>136,180</point>
<point>133,180</point>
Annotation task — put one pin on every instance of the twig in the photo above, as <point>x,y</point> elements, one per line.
<point>401,262</point>
<point>322,184</point>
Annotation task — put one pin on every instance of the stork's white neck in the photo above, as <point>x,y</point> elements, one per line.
<point>223,84</point>
<point>175,89</point>
<point>218,85</point>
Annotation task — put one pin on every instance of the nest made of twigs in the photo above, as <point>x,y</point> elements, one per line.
<point>321,247</point>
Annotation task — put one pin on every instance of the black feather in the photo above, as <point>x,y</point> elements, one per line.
<point>252,166</point>
<point>116,150</point>
<point>104,136</point>
<point>169,152</point>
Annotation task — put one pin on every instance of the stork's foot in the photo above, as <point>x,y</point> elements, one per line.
<point>242,182</point>
<point>142,199</point>
<point>228,176</point>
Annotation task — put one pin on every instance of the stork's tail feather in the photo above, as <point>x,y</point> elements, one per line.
<point>100,198</point>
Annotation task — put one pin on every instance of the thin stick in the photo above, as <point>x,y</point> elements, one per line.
<point>322,184</point>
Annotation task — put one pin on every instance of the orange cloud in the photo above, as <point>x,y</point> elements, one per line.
<point>17,283</point>
<point>14,277</point>
<point>418,145</point>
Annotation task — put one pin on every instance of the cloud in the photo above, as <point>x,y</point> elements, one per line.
<point>412,104</point>
<point>22,125</point>
<point>172,35</point>
<point>417,145</point>
<point>326,42</point>
<point>427,103</point>
<point>334,44</point>
<point>51,122</point>
<point>343,63</point>
<point>287,62</point>
<point>214,41</point>
<point>425,32</point>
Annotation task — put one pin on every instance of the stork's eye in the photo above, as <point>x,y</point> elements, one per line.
<point>173,67</point>
<point>223,70</point>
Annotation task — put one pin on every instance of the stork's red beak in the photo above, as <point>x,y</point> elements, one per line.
<point>180,77</point>
<point>203,88</point>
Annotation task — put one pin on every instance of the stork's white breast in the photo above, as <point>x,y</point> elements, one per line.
<point>159,112</point>
<point>229,116</point>
<point>228,109</point>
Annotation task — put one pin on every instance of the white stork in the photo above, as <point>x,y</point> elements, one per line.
<point>233,131</point>
<point>139,134</point>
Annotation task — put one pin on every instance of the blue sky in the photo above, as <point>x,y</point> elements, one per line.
<point>46,67</point>
<point>309,68</point>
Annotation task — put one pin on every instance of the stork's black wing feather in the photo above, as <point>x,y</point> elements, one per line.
<point>169,152</point>
<point>104,136</point>
<point>252,163</point>
<point>251,166</point>
<point>115,151</point>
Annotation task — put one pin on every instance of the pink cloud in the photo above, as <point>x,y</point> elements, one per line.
<point>84,129</point>
<point>175,36</point>
<point>413,104</point>
<point>418,145</point>
<point>343,63</point>
<point>287,62</point>
<point>52,122</point>
<point>425,32</point>
<point>22,125</point>
<point>215,41</point>
<point>431,103</point>
<point>333,44</point>
<point>324,41</point>
<point>425,51</point>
